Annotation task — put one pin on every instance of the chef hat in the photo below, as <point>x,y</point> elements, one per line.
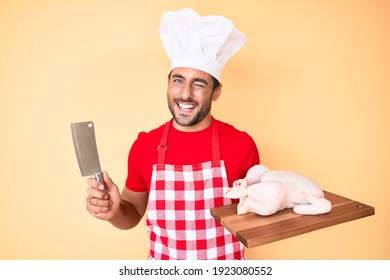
<point>204,43</point>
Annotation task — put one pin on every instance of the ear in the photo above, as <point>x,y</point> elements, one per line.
<point>217,92</point>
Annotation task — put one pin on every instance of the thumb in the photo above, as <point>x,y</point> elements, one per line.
<point>110,186</point>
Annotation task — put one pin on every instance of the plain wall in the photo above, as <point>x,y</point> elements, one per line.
<point>311,86</point>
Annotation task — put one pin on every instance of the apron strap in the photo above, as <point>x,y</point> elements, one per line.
<point>162,148</point>
<point>215,140</point>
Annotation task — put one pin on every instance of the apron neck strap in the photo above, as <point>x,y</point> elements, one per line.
<point>162,148</point>
<point>215,140</point>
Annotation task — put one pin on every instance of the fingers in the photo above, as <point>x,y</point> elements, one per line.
<point>95,184</point>
<point>100,203</point>
<point>98,207</point>
<point>97,193</point>
<point>108,184</point>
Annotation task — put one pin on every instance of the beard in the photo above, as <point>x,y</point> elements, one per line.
<point>189,119</point>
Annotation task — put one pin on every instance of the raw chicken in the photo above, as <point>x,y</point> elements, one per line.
<point>266,192</point>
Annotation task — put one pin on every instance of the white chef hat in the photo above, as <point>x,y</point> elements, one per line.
<point>204,43</point>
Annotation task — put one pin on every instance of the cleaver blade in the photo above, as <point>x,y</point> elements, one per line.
<point>84,142</point>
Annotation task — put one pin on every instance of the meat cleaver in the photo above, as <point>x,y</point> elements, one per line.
<point>84,142</point>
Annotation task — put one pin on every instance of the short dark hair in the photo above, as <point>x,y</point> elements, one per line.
<point>216,83</point>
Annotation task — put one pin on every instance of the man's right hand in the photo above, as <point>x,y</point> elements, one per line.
<point>103,204</point>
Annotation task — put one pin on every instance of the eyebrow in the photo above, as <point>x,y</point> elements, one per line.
<point>201,80</point>
<point>195,80</point>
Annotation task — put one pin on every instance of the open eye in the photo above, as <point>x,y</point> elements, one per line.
<point>177,81</point>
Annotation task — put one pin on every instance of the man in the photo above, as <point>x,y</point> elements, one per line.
<point>180,170</point>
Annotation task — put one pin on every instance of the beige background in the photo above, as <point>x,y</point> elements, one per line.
<point>311,86</point>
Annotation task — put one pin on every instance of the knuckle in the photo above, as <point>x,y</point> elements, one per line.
<point>93,193</point>
<point>90,191</point>
<point>93,183</point>
<point>100,209</point>
<point>90,181</point>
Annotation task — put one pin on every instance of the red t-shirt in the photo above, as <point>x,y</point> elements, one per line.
<point>237,149</point>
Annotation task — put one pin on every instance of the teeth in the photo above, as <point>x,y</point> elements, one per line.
<point>186,106</point>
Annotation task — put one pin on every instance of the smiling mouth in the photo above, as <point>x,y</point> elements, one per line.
<point>186,106</point>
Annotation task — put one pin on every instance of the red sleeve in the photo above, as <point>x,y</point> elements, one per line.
<point>253,155</point>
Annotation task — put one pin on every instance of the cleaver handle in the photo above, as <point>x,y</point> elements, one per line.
<point>99,177</point>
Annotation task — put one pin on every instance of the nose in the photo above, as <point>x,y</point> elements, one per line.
<point>186,91</point>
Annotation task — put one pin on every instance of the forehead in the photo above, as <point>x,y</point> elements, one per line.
<point>191,73</point>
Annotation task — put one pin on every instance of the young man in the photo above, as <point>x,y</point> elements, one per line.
<point>180,170</point>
